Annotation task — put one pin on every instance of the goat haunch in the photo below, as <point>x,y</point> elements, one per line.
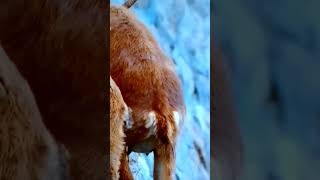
<point>119,117</point>
<point>150,87</point>
<point>60,49</point>
<point>27,149</point>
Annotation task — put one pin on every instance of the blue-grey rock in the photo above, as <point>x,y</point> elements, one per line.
<point>273,47</point>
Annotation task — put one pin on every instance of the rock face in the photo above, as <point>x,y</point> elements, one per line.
<point>182,29</point>
<point>273,47</point>
<point>227,146</point>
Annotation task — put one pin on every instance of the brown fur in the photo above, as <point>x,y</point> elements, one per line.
<point>227,144</point>
<point>27,149</point>
<point>118,112</point>
<point>148,83</point>
<point>125,172</point>
<point>60,48</point>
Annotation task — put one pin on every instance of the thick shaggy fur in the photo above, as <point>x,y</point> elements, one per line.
<point>150,87</point>
<point>27,149</point>
<point>227,143</point>
<point>119,116</point>
<point>60,48</point>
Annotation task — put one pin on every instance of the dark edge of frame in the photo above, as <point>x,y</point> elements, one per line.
<point>106,4</point>
<point>211,89</point>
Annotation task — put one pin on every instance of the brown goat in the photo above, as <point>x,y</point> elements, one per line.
<point>119,116</point>
<point>227,144</point>
<point>27,149</point>
<point>60,49</point>
<point>149,86</point>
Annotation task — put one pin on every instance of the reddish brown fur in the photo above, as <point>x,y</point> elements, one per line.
<point>125,172</point>
<point>60,48</point>
<point>227,144</point>
<point>27,149</point>
<point>148,82</point>
<point>118,111</point>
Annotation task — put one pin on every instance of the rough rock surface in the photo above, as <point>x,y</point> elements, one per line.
<point>183,31</point>
<point>273,47</point>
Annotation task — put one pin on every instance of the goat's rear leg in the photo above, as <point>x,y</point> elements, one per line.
<point>125,173</point>
<point>164,162</point>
